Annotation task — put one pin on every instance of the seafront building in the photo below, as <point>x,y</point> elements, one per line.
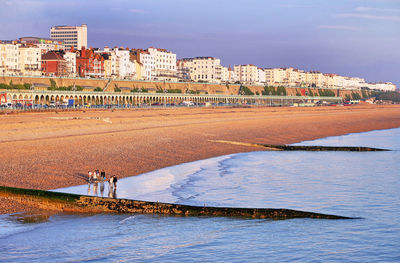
<point>54,64</point>
<point>71,36</point>
<point>70,59</point>
<point>9,59</point>
<point>157,64</point>
<point>201,69</point>
<point>34,56</point>
<point>247,74</point>
<point>30,61</point>
<point>118,63</point>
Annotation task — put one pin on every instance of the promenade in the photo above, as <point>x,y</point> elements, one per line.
<point>81,98</point>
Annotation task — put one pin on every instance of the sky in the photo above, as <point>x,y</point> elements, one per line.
<point>347,37</point>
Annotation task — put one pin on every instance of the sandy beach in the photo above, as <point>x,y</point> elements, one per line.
<point>56,149</point>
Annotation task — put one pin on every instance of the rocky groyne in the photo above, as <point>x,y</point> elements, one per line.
<point>64,202</point>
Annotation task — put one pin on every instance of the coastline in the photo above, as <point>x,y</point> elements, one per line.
<point>54,150</point>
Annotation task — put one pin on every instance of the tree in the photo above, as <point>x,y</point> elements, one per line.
<point>97,89</point>
<point>281,91</point>
<point>364,93</point>
<point>269,90</point>
<point>53,85</point>
<point>392,96</point>
<point>245,91</point>
<point>356,96</point>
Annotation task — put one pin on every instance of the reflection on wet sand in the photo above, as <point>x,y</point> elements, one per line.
<point>112,191</point>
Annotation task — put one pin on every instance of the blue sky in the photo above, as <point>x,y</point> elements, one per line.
<point>348,37</point>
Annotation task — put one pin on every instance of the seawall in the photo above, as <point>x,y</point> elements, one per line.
<point>225,89</point>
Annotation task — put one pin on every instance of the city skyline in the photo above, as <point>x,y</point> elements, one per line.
<point>354,38</point>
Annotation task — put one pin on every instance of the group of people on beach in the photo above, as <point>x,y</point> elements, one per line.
<point>99,177</point>
<point>96,177</point>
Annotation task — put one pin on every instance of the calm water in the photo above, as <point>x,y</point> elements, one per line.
<point>344,183</point>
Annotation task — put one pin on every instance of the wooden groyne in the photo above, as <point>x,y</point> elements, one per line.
<point>89,204</point>
<point>283,147</point>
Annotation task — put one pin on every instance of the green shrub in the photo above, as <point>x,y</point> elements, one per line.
<point>245,91</point>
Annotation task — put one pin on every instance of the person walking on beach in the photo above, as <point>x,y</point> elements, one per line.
<point>103,175</point>
<point>90,177</point>
<point>115,180</point>
<point>111,189</point>
<point>95,178</point>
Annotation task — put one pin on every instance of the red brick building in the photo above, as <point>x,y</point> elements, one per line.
<point>54,64</point>
<point>89,64</point>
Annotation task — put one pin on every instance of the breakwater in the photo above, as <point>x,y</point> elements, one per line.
<point>88,204</point>
<point>322,148</point>
<point>312,148</point>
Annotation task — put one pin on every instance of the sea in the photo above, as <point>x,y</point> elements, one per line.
<point>353,184</point>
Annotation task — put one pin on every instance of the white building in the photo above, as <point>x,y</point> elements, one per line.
<point>164,64</point>
<point>261,76</point>
<point>232,77</point>
<point>9,59</point>
<point>119,64</point>
<point>149,65</point>
<point>156,64</point>
<point>247,74</point>
<point>126,68</point>
<point>30,60</point>
<point>201,69</point>
<point>223,74</point>
<point>354,83</point>
<point>274,76</point>
<point>70,59</point>
<point>388,86</point>
<point>72,36</point>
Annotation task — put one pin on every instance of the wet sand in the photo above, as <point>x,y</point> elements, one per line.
<point>53,150</point>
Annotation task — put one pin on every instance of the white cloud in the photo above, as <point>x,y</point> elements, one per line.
<point>368,9</point>
<point>370,17</point>
<point>340,27</point>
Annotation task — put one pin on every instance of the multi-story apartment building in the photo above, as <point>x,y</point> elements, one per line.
<point>89,64</point>
<point>274,76</point>
<point>314,79</point>
<point>353,83</point>
<point>247,74</point>
<point>70,59</point>
<point>388,86</point>
<point>9,59</point>
<point>118,63</point>
<point>261,76</point>
<point>30,60</point>
<point>232,77</point>
<point>223,74</point>
<point>201,69</point>
<point>183,69</point>
<point>164,63</point>
<point>157,63</point>
<point>53,64</point>
<point>147,62</point>
<point>72,36</point>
